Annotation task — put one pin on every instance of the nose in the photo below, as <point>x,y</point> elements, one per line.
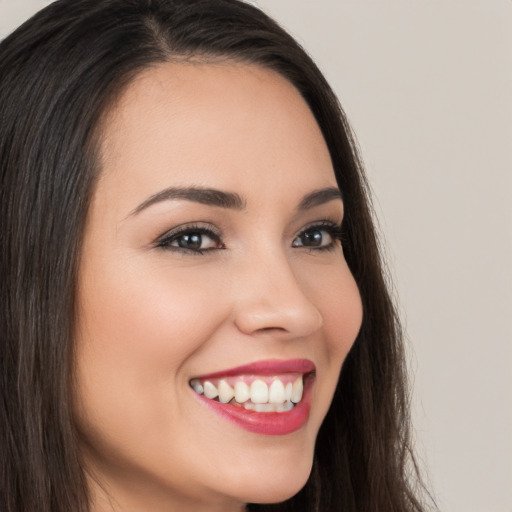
<point>271,300</point>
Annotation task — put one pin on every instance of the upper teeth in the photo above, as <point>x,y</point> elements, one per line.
<point>258,391</point>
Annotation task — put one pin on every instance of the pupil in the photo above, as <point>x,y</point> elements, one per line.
<point>192,241</point>
<point>312,238</point>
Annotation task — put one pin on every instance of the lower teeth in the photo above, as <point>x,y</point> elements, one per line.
<point>284,407</point>
<point>287,406</point>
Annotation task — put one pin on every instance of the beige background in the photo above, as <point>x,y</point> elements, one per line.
<point>427,86</point>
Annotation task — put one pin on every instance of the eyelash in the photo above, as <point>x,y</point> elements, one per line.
<point>175,234</point>
<point>164,242</point>
<point>332,229</point>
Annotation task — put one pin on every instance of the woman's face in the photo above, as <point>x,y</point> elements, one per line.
<point>210,261</point>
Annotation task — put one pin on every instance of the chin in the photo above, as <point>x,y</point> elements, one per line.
<point>272,482</point>
<point>278,490</point>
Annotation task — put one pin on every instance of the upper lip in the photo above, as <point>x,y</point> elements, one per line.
<point>265,367</point>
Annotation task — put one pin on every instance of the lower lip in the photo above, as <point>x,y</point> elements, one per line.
<point>268,423</point>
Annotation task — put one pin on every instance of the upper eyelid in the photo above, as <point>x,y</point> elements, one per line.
<point>204,228</point>
<point>319,224</point>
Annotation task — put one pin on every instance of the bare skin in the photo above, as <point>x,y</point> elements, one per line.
<point>241,285</point>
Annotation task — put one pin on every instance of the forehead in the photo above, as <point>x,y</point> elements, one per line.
<point>225,125</point>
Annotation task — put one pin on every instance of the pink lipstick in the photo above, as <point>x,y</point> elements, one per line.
<point>271,397</point>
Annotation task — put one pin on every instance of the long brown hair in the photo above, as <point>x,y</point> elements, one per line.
<point>59,73</point>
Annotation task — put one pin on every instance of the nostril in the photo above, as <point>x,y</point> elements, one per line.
<point>270,330</point>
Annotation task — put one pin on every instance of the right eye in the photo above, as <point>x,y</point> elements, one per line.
<point>191,239</point>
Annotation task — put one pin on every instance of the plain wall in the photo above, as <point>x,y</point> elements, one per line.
<point>427,86</point>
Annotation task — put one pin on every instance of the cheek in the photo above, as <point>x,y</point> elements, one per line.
<point>344,316</point>
<point>335,293</point>
<point>148,315</point>
<point>136,330</point>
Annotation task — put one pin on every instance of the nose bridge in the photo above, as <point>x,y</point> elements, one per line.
<point>271,298</point>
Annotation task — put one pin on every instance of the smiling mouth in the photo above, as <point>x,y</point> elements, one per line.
<point>271,397</point>
<point>260,393</point>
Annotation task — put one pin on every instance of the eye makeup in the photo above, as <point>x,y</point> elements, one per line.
<point>312,237</point>
<point>198,238</point>
<point>191,238</point>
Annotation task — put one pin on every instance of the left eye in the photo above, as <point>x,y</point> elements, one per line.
<point>317,237</point>
<point>192,240</point>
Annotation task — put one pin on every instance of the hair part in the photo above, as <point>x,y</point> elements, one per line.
<point>60,73</point>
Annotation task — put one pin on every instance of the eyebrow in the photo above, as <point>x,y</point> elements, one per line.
<point>231,200</point>
<point>208,196</point>
<point>319,197</point>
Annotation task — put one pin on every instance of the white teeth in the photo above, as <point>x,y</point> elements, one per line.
<point>287,406</point>
<point>258,396</point>
<point>297,390</point>
<point>197,387</point>
<point>242,393</point>
<point>276,392</point>
<point>280,407</point>
<point>210,391</point>
<point>288,391</point>
<point>226,392</point>
<point>259,392</point>
<point>264,407</point>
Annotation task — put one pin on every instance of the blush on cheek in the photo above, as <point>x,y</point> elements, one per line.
<point>152,314</point>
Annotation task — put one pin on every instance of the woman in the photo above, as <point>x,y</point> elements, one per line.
<point>189,262</point>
